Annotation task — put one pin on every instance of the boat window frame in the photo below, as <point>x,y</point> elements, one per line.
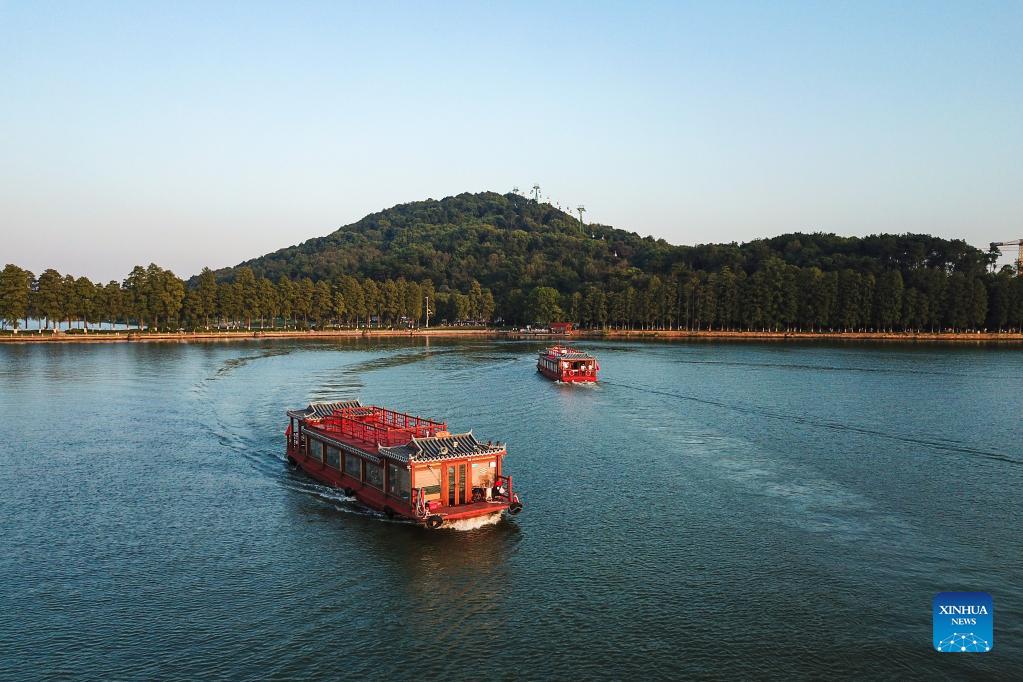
<point>326,456</point>
<point>315,444</point>
<point>361,462</point>
<point>396,471</point>
<point>365,474</point>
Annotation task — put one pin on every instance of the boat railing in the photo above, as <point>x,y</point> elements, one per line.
<point>292,436</point>
<point>378,425</point>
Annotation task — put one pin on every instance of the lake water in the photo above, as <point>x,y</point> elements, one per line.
<point>725,510</point>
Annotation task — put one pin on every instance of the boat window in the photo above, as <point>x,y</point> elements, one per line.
<point>397,481</point>
<point>375,475</point>
<point>315,449</point>
<point>353,466</point>
<point>482,475</point>
<point>333,458</point>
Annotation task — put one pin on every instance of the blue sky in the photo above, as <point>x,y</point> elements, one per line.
<point>205,133</point>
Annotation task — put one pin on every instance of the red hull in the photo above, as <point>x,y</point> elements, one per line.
<point>574,379</point>
<point>369,496</point>
<point>568,365</point>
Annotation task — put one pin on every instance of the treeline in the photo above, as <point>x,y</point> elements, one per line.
<point>779,296</point>
<point>155,298</point>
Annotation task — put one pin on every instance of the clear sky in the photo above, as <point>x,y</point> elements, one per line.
<point>209,132</point>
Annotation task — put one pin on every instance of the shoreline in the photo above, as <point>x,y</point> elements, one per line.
<point>490,333</point>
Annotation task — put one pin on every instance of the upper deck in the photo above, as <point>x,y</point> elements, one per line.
<point>565,353</point>
<point>387,433</point>
<point>379,426</point>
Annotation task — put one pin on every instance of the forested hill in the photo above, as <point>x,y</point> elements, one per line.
<point>482,258</point>
<point>541,263</point>
<point>508,242</point>
<point>502,241</point>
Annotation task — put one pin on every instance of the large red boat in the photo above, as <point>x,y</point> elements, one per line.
<point>562,363</point>
<point>405,466</point>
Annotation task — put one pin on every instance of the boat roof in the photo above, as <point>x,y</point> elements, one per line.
<point>566,353</point>
<point>319,410</point>
<point>437,448</point>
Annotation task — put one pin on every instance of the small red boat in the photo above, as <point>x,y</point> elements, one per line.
<point>402,465</point>
<point>562,363</point>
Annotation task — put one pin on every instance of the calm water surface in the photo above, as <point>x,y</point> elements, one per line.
<point>713,510</point>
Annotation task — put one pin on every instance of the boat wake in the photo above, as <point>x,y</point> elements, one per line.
<point>580,384</point>
<point>936,443</point>
<point>473,523</point>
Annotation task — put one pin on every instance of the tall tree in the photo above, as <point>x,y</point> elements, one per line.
<point>304,299</point>
<point>228,305</point>
<point>371,300</point>
<point>48,296</point>
<point>192,308</point>
<point>269,302</point>
<point>322,302</point>
<point>85,297</point>
<point>850,291</point>
<point>338,309</point>
<point>355,303</point>
<point>170,296</point>
<point>113,302</point>
<point>888,300</point>
<point>488,306</point>
<point>15,285</point>
<point>248,297</point>
<point>136,296</point>
<point>207,292</point>
<point>286,298</point>
<point>69,299</point>
<point>542,306</point>
<point>978,303</point>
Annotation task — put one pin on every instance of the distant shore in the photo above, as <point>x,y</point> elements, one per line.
<point>243,335</point>
<point>490,333</point>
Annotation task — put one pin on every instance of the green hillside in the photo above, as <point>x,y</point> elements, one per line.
<point>540,263</point>
<point>489,257</point>
<point>502,241</point>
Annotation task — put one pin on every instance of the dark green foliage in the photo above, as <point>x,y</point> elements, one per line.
<point>542,306</point>
<point>510,246</point>
<point>15,289</point>
<point>483,257</point>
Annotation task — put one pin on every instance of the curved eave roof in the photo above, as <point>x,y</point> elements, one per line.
<point>439,448</point>
<point>319,410</point>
